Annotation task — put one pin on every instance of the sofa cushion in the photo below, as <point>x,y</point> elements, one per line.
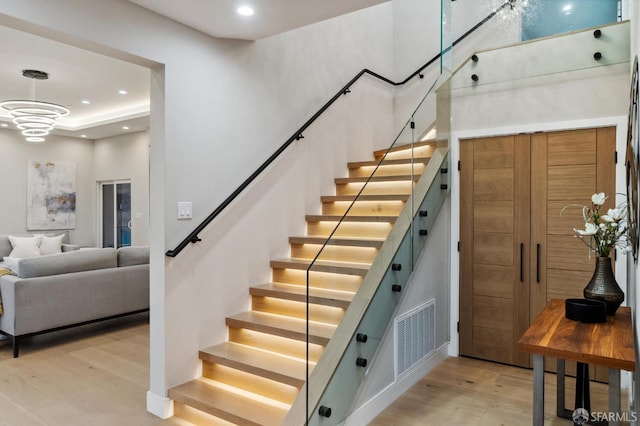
<point>62,263</point>
<point>51,245</point>
<point>10,263</point>
<point>25,246</point>
<point>128,256</point>
<point>5,244</point>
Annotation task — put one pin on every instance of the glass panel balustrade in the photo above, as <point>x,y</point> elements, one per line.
<point>377,225</point>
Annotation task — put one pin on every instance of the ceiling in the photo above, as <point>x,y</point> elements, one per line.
<point>77,75</point>
<point>219,18</point>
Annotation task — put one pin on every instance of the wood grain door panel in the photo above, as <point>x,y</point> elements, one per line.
<point>517,249</point>
<point>493,344</point>
<point>494,153</point>
<point>572,147</point>
<point>493,280</point>
<point>493,249</point>
<point>490,242</point>
<point>493,312</point>
<point>493,184</point>
<point>571,182</point>
<point>493,216</point>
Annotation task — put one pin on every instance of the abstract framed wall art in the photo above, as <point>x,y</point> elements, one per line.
<point>51,195</point>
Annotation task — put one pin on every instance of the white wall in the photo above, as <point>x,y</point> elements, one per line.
<point>16,152</point>
<point>127,158</point>
<point>417,39</point>
<point>124,157</point>
<point>218,109</point>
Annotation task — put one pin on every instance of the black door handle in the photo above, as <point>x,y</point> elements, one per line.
<point>537,263</point>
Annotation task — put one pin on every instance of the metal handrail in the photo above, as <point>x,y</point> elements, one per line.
<point>193,236</point>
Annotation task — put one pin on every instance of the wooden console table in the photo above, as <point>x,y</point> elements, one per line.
<point>607,344</point>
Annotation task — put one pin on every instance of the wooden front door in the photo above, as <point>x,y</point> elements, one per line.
<point>517,250</point>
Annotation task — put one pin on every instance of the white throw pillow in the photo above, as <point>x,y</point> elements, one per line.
<point>11,263</point>
<point>25,246</point>
<point>51,245</point>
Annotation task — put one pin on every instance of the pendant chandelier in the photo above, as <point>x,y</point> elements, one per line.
<point>35,118</point>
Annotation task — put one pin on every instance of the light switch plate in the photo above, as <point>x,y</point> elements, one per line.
<point>185,210</point>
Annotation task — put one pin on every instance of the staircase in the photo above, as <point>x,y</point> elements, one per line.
<point>253,378</point>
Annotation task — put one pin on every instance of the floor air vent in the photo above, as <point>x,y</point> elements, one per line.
<point>415,337</point>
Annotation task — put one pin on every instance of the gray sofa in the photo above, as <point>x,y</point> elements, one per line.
<point>57,291</point>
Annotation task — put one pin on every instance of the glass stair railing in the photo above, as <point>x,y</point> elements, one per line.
<point>548,58</point>
<point>393,199</point>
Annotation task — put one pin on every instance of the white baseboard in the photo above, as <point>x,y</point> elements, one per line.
<point>160,406</point>
<point>370,409</point>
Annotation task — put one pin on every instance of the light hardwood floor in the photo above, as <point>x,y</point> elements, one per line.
<point>98,375</point>
<point>470,392</point>
<point>94,375</point>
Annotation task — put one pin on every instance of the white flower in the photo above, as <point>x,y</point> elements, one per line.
<point>589,229</point>
<point>605,232</point>
<point>615,214</point>
<point>598,199</point>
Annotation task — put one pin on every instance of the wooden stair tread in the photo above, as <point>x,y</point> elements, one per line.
<point>349,218</point>
<point>362,179</point>
<point>292,328</point>
<point>364,197</point>
<point>203,395</point>
<point>403,147</point>
<point>338,241</point>
<point>261,363</point>
<point>388,162</point>
<point>332,266</point>
<point>298,293</point>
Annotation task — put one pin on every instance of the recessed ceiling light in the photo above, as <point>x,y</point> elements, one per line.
<point>86,102</point>
<point>83,136</point>
<point>567,7</point>
<point>122,92</point>
<point>125,127</point>
<point>245,11</point>
<point>4,125</point>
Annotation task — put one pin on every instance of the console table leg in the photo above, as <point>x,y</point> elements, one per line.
<point>614,394</point>
<point>560,410</point>
<point>538,390</point>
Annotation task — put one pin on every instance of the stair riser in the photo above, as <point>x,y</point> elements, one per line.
<point>390,170</point>
<point>281,345</point>
<point>329,252</point>
<point>379,208</point>
<point>316,297</point>
<point>250,382</point>
<point>324,314</point>
<point>210,413</point>
<point>350,229</point>
<point>349,283</point>
<point>197,417</point>
<point>338,241</point>
<point>318,267</point>
<point>375,188</point>
<point>275,331</point>
<point>418,151</point>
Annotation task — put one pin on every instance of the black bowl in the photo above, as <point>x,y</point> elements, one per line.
<point>585,310</point>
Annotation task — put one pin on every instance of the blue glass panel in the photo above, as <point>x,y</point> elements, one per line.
<point>542,18</point>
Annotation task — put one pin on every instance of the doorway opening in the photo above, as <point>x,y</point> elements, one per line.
<point>114,213</point>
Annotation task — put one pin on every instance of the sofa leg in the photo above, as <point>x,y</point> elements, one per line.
<point>16,346</point>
